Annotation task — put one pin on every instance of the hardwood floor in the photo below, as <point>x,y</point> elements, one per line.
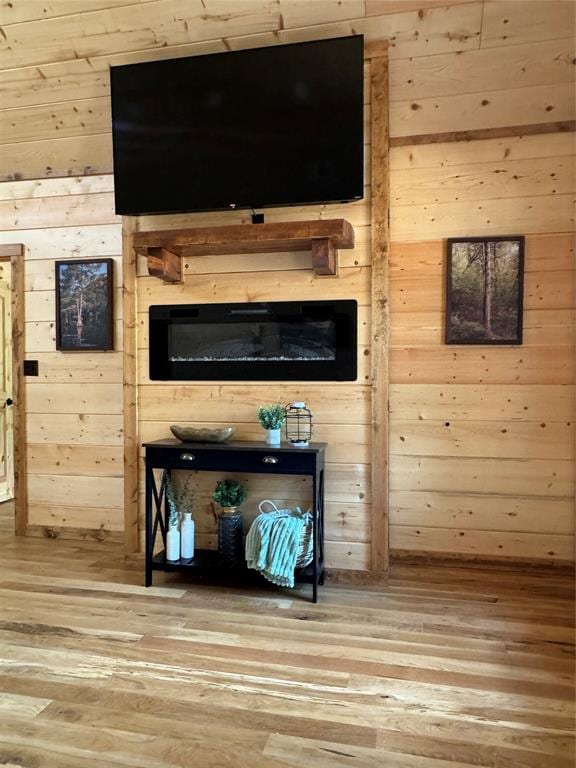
<point>6,517</point>
<point>442,668</point>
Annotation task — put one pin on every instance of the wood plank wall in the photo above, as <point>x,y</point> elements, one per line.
<point>341,410</point>
<point>74,407</point>
<point>482,438</point>
<point>471,84</point>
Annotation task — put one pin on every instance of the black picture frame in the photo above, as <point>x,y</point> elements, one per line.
<point>84,305</point>
<point>471,317</point>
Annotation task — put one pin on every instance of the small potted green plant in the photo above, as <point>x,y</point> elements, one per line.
<point>229,494</point>
<point>272,418</point>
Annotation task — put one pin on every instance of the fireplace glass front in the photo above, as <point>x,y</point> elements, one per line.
<point>310,341</point>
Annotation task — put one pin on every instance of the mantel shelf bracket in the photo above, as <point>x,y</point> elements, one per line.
<point>324,256</point>
<point>165,249</point>
<point>164,264</point>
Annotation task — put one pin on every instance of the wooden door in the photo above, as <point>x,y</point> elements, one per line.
<point>6,388</point>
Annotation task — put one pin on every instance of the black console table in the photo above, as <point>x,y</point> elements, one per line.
<point>257,457</point>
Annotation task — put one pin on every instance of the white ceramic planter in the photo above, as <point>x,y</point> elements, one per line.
<point>273,436</point>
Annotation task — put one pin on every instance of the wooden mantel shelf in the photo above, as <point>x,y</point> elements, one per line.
<point>165,249</point>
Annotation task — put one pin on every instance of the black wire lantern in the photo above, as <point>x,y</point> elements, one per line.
<point>298,424</point>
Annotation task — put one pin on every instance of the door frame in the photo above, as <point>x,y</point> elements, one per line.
<point>14,253</point>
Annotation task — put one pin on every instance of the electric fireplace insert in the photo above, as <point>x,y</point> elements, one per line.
<point>271,341</point>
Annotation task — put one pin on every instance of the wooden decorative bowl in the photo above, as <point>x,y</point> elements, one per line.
<point>202,435</point>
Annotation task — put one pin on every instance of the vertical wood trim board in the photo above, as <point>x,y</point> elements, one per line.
<point>129,384</point>
<point>380,247</point>
<point>15,253</point>
<point>18,354</point>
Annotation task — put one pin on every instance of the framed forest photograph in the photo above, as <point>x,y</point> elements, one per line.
<point>484,290</point>
<point>84,305</point>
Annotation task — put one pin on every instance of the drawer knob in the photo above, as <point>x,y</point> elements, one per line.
<point>270,460</point>
<point>187,456</point>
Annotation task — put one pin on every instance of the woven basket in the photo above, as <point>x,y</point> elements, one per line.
<point>306,550</point>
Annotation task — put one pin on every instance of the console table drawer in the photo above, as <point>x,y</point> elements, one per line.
<point>264,461</point>
<point>276,462</point>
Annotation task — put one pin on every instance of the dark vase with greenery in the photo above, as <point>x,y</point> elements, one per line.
<point>229,495</point>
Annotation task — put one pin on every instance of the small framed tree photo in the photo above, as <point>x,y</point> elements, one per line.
<point>484,290</point>
<point>85,305</point>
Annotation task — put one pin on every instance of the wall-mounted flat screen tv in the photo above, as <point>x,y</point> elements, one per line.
<point>274,126</point>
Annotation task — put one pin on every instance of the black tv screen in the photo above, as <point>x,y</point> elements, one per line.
<point>272,126</point>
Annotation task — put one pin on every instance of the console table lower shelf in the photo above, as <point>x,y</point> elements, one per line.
<point>206,562</point>
<point>252,457</point>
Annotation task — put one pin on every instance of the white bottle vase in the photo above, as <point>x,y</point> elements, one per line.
<point>273,436</point>
<point>187,537</point>
<point>173,544</point>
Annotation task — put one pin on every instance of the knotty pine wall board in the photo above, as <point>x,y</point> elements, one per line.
<point>99,398</point>
<point>510,68</point>
<point>70,521</point>
<point>528,215</point>
<point>483,439</point>
<point>56,157</point>
<point>79,241</point>
<point>34,10</point>
<point>488,403</point>
<point>487,109</point>
<point>34,213</point>
<point>380,7</point>
<point>347,403</point>
<point>482,365</point>
<point>482,545</point>
<point>472,181</point>
<point>89,460</point>
<point>539,478</point>
<point>506,22</point>
<point>444,154</point>
<point>23,190</point>
<point>64,489</point>
<point>491,511</point>
<point>71,429</point>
